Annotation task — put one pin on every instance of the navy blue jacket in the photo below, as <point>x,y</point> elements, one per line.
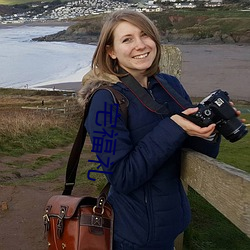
<point>150,205</point>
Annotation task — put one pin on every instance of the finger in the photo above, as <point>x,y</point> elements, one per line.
<point>208,129</point>
<point>190,111</point>
<point>203,132</point>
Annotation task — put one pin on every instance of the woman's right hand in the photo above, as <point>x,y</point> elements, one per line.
<point>190,128</point>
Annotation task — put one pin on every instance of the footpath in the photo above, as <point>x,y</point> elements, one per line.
<point>23,197</point>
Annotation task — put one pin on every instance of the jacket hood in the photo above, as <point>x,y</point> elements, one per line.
<point>91,81</point>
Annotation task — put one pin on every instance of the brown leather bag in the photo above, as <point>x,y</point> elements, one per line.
<point>79,223</point>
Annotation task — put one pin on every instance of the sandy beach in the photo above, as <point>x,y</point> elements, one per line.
<point>206,68</point>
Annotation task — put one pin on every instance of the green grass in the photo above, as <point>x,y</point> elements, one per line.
<point>237,153</point>
<point>210,230</point>
<point>221,13</point>
<point>34,142</point>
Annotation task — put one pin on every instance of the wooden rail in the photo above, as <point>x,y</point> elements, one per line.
<point>223,186</point>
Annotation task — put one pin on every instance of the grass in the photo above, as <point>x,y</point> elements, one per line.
<point>237,154</point>
<point>210,230</point>
<point>23,130</point>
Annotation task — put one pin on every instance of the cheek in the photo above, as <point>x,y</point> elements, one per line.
<point>122,51</point>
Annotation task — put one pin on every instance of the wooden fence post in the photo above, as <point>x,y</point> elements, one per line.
<point>171,60</point>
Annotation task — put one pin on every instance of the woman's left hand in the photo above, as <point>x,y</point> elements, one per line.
<point>238,113</point>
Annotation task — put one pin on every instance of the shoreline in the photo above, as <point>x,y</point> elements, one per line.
<point>61,86</point>
<point>206,68</point>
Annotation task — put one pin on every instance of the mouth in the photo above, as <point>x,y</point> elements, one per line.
<point>141,56</point>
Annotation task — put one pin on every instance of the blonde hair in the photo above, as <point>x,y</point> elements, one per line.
<point>103,62</point>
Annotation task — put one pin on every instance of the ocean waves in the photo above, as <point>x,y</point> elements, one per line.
<point>27,64</point>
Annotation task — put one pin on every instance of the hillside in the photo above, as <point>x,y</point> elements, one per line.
<point>173,26</point>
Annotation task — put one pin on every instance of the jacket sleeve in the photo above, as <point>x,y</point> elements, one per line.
<point>207,147</point>
<point>129,165</point>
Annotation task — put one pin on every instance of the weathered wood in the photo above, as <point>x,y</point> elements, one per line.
<point>223,186</point>
<point>178,244</point>
<point>171,60</point>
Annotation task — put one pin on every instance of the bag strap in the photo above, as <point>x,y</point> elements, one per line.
<point>76,150</point>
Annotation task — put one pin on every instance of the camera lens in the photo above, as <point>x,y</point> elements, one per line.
<point>238,133</point>
<point>233,130</point>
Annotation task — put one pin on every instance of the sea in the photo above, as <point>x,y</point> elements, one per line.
<point>26,64</point>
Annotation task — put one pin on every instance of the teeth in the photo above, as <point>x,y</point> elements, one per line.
<point>141,56</point>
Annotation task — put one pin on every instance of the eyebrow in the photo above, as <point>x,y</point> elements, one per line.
<point>129,34</point>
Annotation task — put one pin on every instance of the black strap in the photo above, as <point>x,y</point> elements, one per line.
<point>144,97</point>
<point>181,101</point>
<point>74,157</point>
<point>76,150</point>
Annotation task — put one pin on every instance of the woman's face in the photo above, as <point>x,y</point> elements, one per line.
<point>134,50</point>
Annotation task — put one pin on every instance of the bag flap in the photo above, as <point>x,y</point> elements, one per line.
<point>68,203</point>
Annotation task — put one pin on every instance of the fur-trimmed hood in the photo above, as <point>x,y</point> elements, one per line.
<point>91,81</point>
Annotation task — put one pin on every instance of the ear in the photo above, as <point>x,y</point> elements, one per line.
<point>110,52</point>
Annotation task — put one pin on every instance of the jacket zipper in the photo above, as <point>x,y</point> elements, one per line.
<point>151,93</point>
<point>149,213</point>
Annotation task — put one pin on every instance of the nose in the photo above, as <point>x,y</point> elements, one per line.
<point>139,44</point>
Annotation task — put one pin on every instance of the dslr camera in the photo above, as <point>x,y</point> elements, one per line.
<point>216,108</point>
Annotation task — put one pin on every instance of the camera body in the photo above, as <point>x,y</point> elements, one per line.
<point>216,108</point>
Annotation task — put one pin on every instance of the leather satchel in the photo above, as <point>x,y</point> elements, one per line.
<point>81,223</point>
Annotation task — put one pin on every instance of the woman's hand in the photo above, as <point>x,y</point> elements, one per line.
<point>190,128</point>
<point>238,113</point>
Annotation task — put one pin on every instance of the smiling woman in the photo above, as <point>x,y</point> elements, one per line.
<point>149,202</point>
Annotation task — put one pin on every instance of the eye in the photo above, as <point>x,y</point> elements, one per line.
<point>127,40</point>
<point>144,34</point>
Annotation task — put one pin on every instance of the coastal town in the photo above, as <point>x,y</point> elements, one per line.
<point>60,11</point>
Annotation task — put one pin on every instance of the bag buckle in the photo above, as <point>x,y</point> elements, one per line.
<point>46,221</point>
<point>96,221</point>
<point>94,210</point>
<point>59,224</point>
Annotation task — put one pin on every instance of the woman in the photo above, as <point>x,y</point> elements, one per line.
<point>143,167</point>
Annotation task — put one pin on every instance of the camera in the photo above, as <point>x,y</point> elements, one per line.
<point>216,108</point>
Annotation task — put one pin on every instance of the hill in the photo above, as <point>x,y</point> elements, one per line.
<point>181,26</point>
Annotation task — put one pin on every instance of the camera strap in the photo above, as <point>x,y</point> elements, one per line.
<point>144,97</point>
<point>180,100</point>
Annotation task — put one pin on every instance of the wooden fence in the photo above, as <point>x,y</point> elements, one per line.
<point>223,186</point>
